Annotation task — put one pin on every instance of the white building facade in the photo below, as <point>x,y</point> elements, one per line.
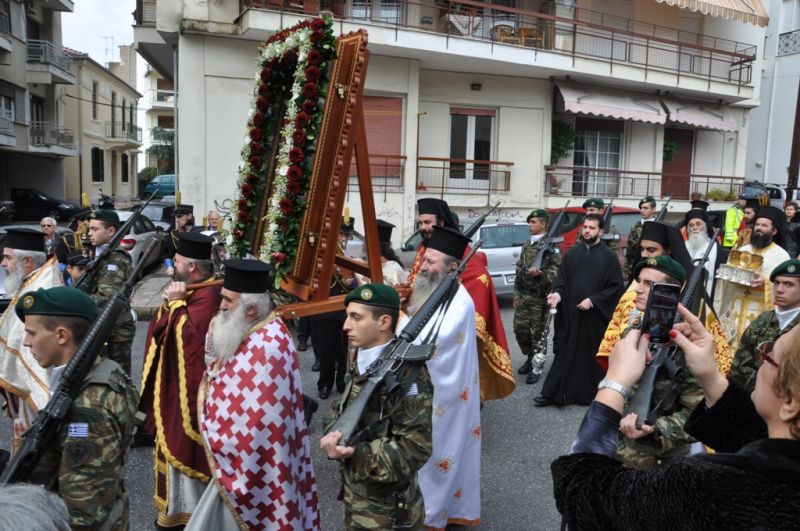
<point>461,98</point>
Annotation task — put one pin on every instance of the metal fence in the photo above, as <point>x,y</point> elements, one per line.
<point>46,52</point>
<point>123,131</point>
<point>45,134</point>
<point>386,172</point>
<point>789,43</point>
<point>6,125</point>
<point>145,14</point>
<point>480,177</point>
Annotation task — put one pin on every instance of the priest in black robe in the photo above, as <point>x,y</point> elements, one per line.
<point>586,291</point>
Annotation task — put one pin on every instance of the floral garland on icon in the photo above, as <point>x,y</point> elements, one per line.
<point>289,97</point>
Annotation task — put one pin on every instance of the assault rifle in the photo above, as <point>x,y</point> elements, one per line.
<point>607,222</point>
<point>550,238</point>
<point>666,356</point>
<point>663,212</point>
<point>472,229</point>
<point>383,371</point>
<point>40,435</point>
<point>92,269</point>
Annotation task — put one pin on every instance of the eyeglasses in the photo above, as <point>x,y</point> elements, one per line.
<point>763,351</point>
<point>46,225</point>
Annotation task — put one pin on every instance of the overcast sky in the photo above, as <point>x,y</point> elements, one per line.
<point>85,28</point>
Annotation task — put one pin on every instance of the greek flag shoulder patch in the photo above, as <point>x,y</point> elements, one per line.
<point>78,430</point>
<point>413,390</point>
<point>111,267</point>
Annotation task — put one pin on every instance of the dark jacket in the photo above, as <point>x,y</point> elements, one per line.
<point>792,238</point>
<point>754,488</point>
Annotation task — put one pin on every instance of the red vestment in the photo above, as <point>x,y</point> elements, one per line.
<point>494,361</point>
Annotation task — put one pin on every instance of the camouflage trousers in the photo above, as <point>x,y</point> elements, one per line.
<point>530,317</point>
<point>377,512</point>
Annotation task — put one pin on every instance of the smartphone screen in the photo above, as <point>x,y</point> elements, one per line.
<point>662,305</point>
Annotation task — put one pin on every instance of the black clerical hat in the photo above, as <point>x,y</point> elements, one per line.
<point>385,231</point>
<point>699,204</point>
<point>182,210</point>
<point>348,228</point>
<point>697,213</point>
<point>247,275</point>
<point>24,240</point>
<point>77,258</point>
<point>194,245</point>
<point>438,207</point>
<point>656,232</point>
<point>778,220</point>
<point>449,241</point>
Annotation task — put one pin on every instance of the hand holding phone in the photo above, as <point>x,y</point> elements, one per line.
<point>659,316</point>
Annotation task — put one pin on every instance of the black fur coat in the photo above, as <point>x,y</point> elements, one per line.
<point>756,486</point>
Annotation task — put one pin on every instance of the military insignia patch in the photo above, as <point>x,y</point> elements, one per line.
<point>27,302</point>
<point>791,268</point>
<point>77,453</point>
<point>78,430</point>
<point>652,262</point>
<point>366,294</point>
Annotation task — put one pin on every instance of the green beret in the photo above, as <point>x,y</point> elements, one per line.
<point>648,199</point>
<point>537,213</point>
<point>595,202</point>
<point>665,264</point>
<point>61,300</point>
<point>789,268</point>
<point>105,214</point>
<point>374,295</point>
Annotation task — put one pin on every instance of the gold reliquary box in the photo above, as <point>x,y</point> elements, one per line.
<point>741,267</point>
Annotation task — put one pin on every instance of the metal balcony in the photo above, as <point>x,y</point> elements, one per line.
<point>123,132</point>
<point>789,43</point>
<point>145,13</point>
<point>48,64</point>
<point>439,176</point>
<point>48,134</point>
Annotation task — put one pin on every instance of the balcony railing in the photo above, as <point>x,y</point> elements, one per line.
<point>5,23</point>
<point>45,52</point>
<point>145,13</point>
<point>604,182</point>
<point>789,43</point>
<point>441,176</point>
<point>45,134</point>
<point>6,124</point>
<point>163,96</point>
<point>386,172</point>
<point>158,138</point>
<point>118,130</point>
<point>562,29</point>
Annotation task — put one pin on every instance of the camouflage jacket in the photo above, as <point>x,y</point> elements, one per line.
<point>399,444</point>
<point>668,439</point>
<point>84,463</point>
<point>632,252</point>
<point>764,328</point>
<point>539,286</point>
<point>114,270</point>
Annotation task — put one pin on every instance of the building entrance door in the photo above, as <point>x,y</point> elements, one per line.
<point>676,173</point>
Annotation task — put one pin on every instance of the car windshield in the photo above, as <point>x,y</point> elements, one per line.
<point>504,236</point>
<point>153,212</point>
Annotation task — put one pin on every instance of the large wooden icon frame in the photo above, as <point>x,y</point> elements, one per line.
<point>342,131</point>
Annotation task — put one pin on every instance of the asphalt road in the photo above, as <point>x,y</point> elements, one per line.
<point>519,442</point>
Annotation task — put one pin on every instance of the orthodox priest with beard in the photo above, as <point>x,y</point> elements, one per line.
<point>586,291</point>
<point>251,414</point>
<point>451,479</point>
<point>173,368</point>
<point>23,383</point>
<point>698,238</point>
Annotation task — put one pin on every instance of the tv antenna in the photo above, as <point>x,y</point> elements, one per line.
<point>109,48</point>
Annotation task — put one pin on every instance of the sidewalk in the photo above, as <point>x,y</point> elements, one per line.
<point>146,296</point>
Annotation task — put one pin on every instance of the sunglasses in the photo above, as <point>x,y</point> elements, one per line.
<point>763,351</point>
<point>46,225</point>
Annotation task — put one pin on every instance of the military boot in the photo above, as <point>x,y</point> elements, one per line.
<point>526,367</point>
<point>532,377</point>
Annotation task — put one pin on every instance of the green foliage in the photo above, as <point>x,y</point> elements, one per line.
<point>163,149</point>
<point>718,194</point>
<point>562,141</point>
<point>670,150</point>
<point>147,174</point>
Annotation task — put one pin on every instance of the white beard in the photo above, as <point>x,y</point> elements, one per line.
<point>12,282</point>
<point>424,286</point>
<point>697,241</point>
<point>228,331</point>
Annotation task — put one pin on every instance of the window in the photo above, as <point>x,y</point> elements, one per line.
<point>124,103</point>
<point>5,17</point>
<point>7,108</point>
<point>113,113</point>
<point>124,162</point>
<point>98,169</point>
<point>388,11</point>
<point>167,122</point>
<point>37,110</point>
<point>471,134</point>
<point>383,120</point>
<point>130,116</point>
<point>598,145</point>
<point>94,100</point>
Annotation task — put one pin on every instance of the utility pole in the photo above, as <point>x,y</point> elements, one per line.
<point>794,158</point>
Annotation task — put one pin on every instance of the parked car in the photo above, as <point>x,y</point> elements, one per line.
<point>622,219</point>
<point>7,211</point>
<point>161,213</point>
<point>138,239</point>
<point>30,203</point>
<point>162,185</point>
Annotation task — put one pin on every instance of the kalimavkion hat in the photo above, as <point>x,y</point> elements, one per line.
<point>699,204</point>
<point>348,228</point>
<point>439,208</point>
<point>374,295</point>
<point>106,214</point>
<point>182,210</point>
<point>696,213</point>
<point>247,275</point>
<point>648,199</point>
<point>594,202</point>
<point>60,300</point>
<point>384,231</point>
<point>665,264</point>
<point>789,268</point>
<point>761,200</point>
<point>194,245</point>
<point>24,240</point>
<point>775,215</point>
<point>538,213</point>
<point>77,258</point>
<point>448,241</point>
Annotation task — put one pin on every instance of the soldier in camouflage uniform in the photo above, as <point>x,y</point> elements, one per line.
<point>114,270</point>
<point>596,205</point>
<point>657,445</point>
<point>770,325</point>
<point>647,207</point>
<point>379,474</point>
<point>84,463</point>
<point>531,287</point>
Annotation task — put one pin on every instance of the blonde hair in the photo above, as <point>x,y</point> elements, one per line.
<point>788,381</point>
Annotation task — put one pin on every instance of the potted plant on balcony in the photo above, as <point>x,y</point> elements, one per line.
<point>562,140</point>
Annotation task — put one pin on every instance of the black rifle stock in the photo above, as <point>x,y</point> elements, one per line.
<point>47,424</point>
<point>546,244</point>
<point>383,370</point>
<point>666,356</point>
<point>609,212</point>
<point>91,270</point>
<point>663,212</point>
<point>472,229</point>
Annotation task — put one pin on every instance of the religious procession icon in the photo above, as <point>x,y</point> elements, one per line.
<point>304,127</point>
<point>741,267</point>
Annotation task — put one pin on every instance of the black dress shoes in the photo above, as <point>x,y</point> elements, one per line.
<point>302,345</point>
<point>543,401</point>
<point>324,392</point>
<point>532,377</point>
<point>340,387</point>
<point>315,367</point>
<point>525,368</point>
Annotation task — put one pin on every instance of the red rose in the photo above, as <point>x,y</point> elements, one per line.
<point>302,119</point>
<point>289,59</point>
<point>279,257</point>
<point>296,155</point>
<point>263,90</point>
<point>285,206</point>
<point>316,36</point>
<point>293,187</point>
<point>255,162</point>
<point>261,103</point>
<point>256,149</point>
<point>243,204</point>
<point>314,57</point>
<point>258,119</point>
<point>310,90</point>
<point>251,178</point>
<point>244,216</point>
<point>265,72</point>
<point>294,173</point>
<point>312,73</point>
<point>317,24</point>
<point>247,190</point>
<point>238,233</point>
<point>255,134</point>
<point>298,137</point>
<point>309,106</point>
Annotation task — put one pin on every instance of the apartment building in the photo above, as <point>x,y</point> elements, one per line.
<point>34,75</point>
<point>101,107</point>
<point>158,114</point>
<point>463,98</point>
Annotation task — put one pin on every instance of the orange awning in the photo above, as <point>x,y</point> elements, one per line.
<point>751,11</point>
